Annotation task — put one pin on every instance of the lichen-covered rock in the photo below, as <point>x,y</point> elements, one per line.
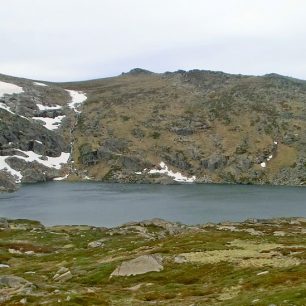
<point>7,182</point>
<point>140,265</point>
<point>16,282</point>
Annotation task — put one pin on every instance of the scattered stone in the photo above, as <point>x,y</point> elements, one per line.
<point>253,232</point>
<point>63,277</point>
<point>95,244</point>
<point>13,251</point>
<point>263,273</point>
<point>139,265</point>
<point>135,288</point>
<point>228,228</point>
<point>4,266</point>
<point>29,252</point>
<point>16,282</point>
<point>68,246</point>
<point>279,233</point>
<point>23,301</point>
<point>62,270</point>
<point>171,227</point>
<point>180,259</point>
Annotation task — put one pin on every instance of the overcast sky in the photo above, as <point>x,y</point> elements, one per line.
<point>61,40</point>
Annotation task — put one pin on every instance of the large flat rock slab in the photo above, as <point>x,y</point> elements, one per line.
<point>139,265</point>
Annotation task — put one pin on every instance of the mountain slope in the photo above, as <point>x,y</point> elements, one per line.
<point>35,131</point>
<point>190,126</point>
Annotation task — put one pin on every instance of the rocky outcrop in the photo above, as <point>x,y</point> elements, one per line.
<point>140,265</point>
<point>11,285</point>
<point>7,182</point>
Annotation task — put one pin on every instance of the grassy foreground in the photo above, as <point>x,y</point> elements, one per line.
<point>256,262</point>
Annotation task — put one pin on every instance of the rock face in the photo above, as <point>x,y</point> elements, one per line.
<point>35,126</point>
<point>217,127</point>
<point>7,182</point>
<point>140,265</point>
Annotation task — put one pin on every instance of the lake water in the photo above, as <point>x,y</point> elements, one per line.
<point>114,204</point>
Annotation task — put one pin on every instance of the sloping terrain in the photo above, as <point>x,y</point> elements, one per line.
<point>35,130</point>
<point>195,126</point>
<point>256,262</point>
<point>211,125</point>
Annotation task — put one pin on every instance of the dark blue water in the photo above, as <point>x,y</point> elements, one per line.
<point>113,204</point>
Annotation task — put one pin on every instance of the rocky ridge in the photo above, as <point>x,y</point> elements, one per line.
<point>143,127</point>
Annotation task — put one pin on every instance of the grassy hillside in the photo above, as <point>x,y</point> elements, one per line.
<point>251,263</point>
<point>204,126</point>
<point>216,126</point>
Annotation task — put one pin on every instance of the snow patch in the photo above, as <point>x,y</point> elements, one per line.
<point>5,166</point>
<point>40,84</point>
<point>4,106</point>
<point>50,162</point>
<point>60,178</point>
<point>51,123</point>
<point>263,165</point>
<point>43,107</point>
<point>9,89</point>
<point>38,141</point>
<point>177,176</point>
<point>77,98</point>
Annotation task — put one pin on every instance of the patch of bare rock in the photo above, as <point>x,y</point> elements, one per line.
<point>140,265</point>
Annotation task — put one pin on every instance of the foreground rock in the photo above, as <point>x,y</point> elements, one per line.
<point>62,275</point>
<point>140,265</point>
<point>11,281</point>
<point>14,285</point>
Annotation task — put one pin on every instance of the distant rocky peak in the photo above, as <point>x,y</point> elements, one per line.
<point>137,71</point>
